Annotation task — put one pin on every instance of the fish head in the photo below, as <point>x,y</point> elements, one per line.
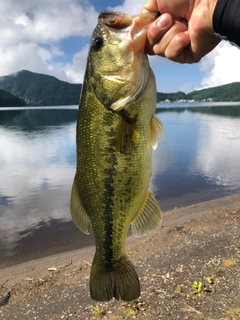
<point>118,67</point>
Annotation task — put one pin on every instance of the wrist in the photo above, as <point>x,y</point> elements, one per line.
<point>204,11</point>
<point>212,5</point>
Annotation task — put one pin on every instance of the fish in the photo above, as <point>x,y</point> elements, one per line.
<point>116,131</point>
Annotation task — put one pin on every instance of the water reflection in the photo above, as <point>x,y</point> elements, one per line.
<point>218,151</point>
<point>34,119</point>
<point>200,153</point>
<point>37,165</point>
<point>198,160</point>
<point>232,111</point>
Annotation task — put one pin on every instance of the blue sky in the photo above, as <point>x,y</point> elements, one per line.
<point>52,37</point>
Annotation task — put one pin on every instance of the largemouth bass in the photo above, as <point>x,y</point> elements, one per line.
<point>116,130</point>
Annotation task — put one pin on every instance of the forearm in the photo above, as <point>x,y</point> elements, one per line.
<point>226,20</point>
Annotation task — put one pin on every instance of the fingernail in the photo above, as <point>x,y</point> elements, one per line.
<point>163,21</point>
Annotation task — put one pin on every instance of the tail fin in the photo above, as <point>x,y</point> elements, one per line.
<point>120,282</point>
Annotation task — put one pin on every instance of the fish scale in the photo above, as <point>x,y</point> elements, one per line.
<point>116,130</point>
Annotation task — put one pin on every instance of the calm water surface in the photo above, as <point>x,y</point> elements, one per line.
<point>198,160</point>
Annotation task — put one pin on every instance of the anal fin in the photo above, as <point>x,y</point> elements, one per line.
<point>148,218</point>
<point>79,214</point>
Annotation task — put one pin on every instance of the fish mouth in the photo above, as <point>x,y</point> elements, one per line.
<point>125,26</point>
<point>126,36</point>
<point>115,20</point>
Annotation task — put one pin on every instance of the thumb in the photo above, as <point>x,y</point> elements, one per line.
<point>150,6</point>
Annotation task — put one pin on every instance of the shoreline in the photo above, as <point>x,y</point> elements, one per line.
<point>194,245</point>
<point>60,237</point>
<point>171,218</point>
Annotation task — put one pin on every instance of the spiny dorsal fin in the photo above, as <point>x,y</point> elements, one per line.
<point>79,215</point>
<point>148,218</point>
<point>156,131</point>
<point>127,135</point>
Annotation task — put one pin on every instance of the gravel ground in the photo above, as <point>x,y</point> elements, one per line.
<point>188,269</point>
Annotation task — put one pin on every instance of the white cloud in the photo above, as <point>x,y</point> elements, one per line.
<point>32,34</point>
<point>21,56</point>
<point>76,70</point>
<point>32,31</point>
<point>129,6</point>
<point>32,57</point>
<point>46,20</point>
<point>221,66</point>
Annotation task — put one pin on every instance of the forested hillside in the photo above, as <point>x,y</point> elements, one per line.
<point>41,90</point>
<point>227,92</point>
<point>9,100</point>
<point>44,90</point>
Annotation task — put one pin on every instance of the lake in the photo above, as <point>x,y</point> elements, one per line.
<point>198,160</point>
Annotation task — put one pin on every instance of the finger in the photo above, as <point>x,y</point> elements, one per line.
<point>157,30</point>
<point>176,49</point>
<point>160,46</point>
<point>150,6</point>
<point>159,27</point>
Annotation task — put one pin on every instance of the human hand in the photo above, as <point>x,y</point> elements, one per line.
<point>184,32</point>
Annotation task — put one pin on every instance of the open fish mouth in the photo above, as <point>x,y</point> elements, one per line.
<point>115,20</point>
<point>125,25</point>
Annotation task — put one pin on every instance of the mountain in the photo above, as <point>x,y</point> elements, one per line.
<point>173,96</point>
<point>9,100</point>
<point>227,92</point>
<point>44,90</point>
<point>41,90</point>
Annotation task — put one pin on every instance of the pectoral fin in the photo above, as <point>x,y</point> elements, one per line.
<point>156,131</point>
<point>148,218</point>
<point>79,215</point>
<point>127,135</point>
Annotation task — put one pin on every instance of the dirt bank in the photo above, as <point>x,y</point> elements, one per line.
<point>188,269</point>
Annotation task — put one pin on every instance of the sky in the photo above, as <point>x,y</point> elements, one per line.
<point>52,37</point>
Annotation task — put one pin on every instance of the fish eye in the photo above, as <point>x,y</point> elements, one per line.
<point>97,43</point>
